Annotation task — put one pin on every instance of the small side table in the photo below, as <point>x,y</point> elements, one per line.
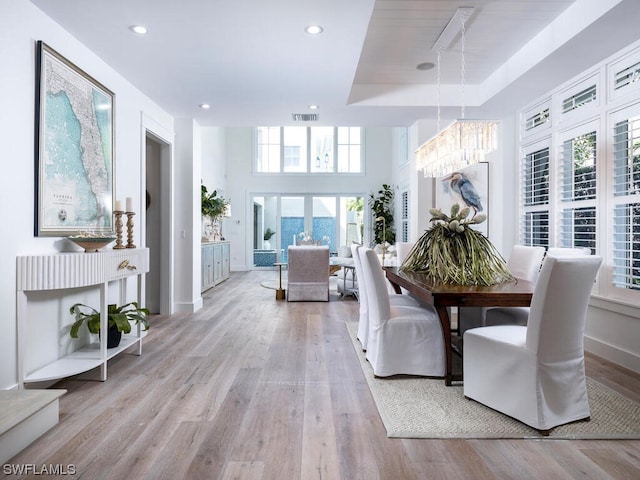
<point>353,289</point>
<point>280,292</point>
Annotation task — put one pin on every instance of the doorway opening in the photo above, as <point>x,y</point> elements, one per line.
<point>283,220</point>
<point>158,224</point>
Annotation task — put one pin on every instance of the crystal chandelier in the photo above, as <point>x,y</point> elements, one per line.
<point>465,142</point>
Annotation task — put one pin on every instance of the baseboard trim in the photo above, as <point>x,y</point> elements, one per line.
<point>612,353</point>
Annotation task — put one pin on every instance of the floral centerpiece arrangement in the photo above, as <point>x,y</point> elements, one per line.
<point>453,252</point>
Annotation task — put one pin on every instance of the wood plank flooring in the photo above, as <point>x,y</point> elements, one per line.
<point>252,388</point>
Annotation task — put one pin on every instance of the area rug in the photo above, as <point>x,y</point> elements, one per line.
<point>414,407</point>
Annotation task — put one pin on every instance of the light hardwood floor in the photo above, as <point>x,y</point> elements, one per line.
<point>252,388</point>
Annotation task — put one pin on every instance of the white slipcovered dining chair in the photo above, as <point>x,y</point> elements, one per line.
<point>394,299</point>
<point>401,339</point>
<point>524,263</point>
<point>519,315</point>
<point>308,276</point>
<point>535,373</point>
<point>402,250</point>
<point>567,251</point>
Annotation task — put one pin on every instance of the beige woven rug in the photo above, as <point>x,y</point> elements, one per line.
<point>413,407</point>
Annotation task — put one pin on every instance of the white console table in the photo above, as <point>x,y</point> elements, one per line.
<point>73,270</point>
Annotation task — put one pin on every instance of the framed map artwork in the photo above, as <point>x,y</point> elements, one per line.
<point>74,149</point>
<point>469,187</point>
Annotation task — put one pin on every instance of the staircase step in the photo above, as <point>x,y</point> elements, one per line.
<point>25,415</point>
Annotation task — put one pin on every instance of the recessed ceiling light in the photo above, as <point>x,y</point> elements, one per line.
<point>313,29</point>
<point>425,66</point>
<point>314,107</point>
<point>205,106</point>
<point>139,29</point>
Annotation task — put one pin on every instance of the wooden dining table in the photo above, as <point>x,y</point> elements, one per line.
<point>516,293</point>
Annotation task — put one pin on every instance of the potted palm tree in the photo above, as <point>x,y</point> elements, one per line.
<point>119,320</point>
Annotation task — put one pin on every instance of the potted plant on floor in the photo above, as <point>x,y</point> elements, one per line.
<point>119,319</point>
<point>382,208</point>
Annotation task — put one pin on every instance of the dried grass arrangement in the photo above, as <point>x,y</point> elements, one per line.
<point>452,252</point>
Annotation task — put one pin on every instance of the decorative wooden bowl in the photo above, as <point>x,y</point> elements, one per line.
<point>92,244</point>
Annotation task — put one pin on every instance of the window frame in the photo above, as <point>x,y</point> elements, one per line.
<point>527,209</point>
<point>309,163</point>
<point>562,205</point>
<point>614,118</point>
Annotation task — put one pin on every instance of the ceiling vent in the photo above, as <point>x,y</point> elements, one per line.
<point>305,117</point>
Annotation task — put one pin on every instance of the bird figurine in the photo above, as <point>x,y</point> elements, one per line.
<point>464,188</point>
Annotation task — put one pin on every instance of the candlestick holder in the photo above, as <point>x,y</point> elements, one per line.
<point>118,215</point>
<point>130,229</point>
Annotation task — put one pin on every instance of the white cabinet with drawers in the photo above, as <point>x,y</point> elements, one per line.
<point>215,263</point>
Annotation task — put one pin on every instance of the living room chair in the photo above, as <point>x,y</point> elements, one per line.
<point>394,298</point>
<point>401,339</point>
<point>524,263</point>
<point>308,276</point>
<point>535,373</point>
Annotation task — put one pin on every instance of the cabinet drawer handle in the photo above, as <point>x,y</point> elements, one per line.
<point>125,265</point>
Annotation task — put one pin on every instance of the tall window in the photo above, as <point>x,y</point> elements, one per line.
<point>404,234</point>
<point>268,155</point>
<point>322,152</point>
<point>580,172</point>
<point>535,197</point>
<point>308,150</point>
<point>349,149</point>
<point>577,222</point>
<point>295,149</point>
<point>626,196</point>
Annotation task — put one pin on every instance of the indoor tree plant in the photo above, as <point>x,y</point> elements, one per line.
<point>382,207</point>
<point>119,320</point>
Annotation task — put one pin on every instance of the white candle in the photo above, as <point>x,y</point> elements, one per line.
<point>129,204</point>
<point>118,207</point>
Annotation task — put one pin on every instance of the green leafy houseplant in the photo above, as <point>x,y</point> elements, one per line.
<point>119,317</point>
<point>268,233</point>
<point>452,252</point>
<point>212,205</point>
<point>382,206</point>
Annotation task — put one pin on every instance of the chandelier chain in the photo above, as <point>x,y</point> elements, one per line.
<point>462,66</point>
<point>438,99</point>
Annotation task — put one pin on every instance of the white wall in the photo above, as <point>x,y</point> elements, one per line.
<point>21,25</point>
<point>214,159</point>
<point>187,234</point>
<point>214,165</point>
